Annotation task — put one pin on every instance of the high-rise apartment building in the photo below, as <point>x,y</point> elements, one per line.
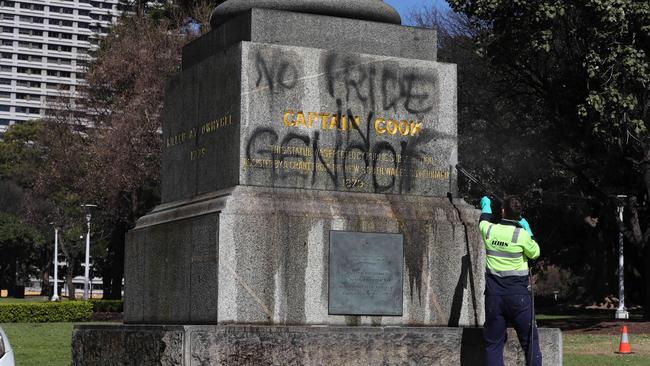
<point>44,46</point>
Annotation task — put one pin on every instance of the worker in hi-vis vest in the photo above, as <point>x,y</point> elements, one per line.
<point>508,246</point>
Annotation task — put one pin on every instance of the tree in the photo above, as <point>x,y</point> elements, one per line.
<point>18,244</point>
<point>113,139</point>
<point>20,159</point>
<point>124,91</point>
<point>586,64</point>
<point>63,161</point>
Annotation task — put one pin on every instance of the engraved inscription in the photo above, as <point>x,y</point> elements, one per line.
<point>174,139</point>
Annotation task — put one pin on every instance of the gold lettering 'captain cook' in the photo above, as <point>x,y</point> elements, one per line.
<point>333,121</point>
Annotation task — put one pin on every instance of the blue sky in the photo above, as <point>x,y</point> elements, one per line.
<point>403,6</point>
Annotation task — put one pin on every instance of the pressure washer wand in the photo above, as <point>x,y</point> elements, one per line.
<point>472,178</point>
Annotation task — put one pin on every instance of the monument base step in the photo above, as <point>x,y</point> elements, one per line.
<point>293,345</point>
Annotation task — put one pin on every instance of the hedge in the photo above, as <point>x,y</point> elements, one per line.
<point>43,312</point>
<point>107,306</point>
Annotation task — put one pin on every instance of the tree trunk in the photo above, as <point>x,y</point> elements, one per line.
<point>113,283</point>
<point>46,288</point>
<point>11,277</point>
<point>71,288</point>
<point>600,256</point>
<point>646,280</point>
<point>643,237</point>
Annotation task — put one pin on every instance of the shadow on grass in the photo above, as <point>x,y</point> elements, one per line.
<point>596,321</point>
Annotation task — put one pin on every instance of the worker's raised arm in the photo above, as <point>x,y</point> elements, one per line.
<point>486,216</point>
<point>530,246</point>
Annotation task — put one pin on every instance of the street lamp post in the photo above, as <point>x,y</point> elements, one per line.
<point>621,312</point>
<point>55,296</point>
<point>86,294</point>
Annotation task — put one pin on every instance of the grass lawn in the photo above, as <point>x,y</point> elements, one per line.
<point>11,300</point>
<point>598,350</point>
<point>40,343</point>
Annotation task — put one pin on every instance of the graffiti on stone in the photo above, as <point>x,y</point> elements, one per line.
<point>374,136</point>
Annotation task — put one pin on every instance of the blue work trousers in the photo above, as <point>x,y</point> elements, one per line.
<point>516,310</point>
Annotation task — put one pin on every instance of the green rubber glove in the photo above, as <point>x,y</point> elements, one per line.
<point>526,226</point>
<point>486,205</point>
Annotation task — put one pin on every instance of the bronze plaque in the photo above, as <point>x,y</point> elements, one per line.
<point>366,273</point>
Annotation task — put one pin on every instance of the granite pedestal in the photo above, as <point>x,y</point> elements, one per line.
<point>287,123</point>
<point>295,345</point>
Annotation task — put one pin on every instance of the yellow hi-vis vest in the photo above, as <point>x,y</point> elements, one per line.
<point>507,249</point>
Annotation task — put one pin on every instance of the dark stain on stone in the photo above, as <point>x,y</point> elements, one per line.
<point>457,301</point>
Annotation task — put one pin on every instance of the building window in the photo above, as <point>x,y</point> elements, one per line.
<point>5,68</point>
<point>8,4</point>
<point>60,61</point>
<point>6,42</point>
<point>28,84</point>
<point>30,32</point>
<point>4,16</point>
<point>62,74</point>
<point>22,96</point>
<point>29,71</point>
<point>60,22</point>
<point>59,35</point>
<point>58,47</point>
<point>30,58</point>
<point>56,9</point>
<point>5,81</point>
<point>36,7</point>
<point>29,110</point>
<point>32,45</point>
<point>4,108</point>
<point>31,19</point>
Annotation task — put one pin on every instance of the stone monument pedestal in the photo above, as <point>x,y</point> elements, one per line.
<point>291,120</point>
<point>294,345</point>
<point>258,255</point>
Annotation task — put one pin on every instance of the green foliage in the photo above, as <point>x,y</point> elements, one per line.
<point>19,245</point>
<point>19,154</point>
<point>17,235</point>
<point>107,306</point>
<point>589,60</point>
<point>67,311</point>
<point>549,93</point>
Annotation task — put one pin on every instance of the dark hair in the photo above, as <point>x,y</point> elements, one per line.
<point>512,208</point>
